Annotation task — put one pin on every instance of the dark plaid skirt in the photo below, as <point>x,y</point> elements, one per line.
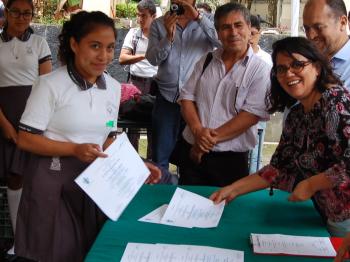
<point>12,103</point>
<point>57,221</point>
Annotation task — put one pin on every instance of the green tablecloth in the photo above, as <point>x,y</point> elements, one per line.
<point>253,213</point>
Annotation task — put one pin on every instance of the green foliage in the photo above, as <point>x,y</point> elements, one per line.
<point>49,20</point>
<point>127,10</point>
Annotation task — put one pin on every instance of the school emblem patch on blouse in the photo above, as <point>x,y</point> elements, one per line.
<point>29,50</point>
<point>55,164</point>
<point>110,108</point>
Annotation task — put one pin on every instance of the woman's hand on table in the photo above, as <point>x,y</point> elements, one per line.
<point>156,174</point>
<point>226,193</point>
<point>88,152</point>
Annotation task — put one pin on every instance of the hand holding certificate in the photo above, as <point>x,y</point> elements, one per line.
<point>112,182</point>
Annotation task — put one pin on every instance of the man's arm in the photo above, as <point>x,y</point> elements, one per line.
<point>236,126</point>
<point>209,29</point>
<point>204,137</point>
<point>127,58</point>
<point>159,44</point>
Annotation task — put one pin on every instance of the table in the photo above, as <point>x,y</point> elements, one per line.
<point>253,213</point>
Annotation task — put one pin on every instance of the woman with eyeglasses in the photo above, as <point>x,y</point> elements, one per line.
<point>24,56</point>
<point>315,140</point>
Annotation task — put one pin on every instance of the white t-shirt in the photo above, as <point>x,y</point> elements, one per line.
<point>58,107</point>
<point>142,68</point>
<point>264,56</point>
<point>19,63</point>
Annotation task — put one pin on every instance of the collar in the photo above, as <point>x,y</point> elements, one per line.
<point>343,53</point>
<point>81,82</point>
<point>243,61</point>
<point>24,37</point>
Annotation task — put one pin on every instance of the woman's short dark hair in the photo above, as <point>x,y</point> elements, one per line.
<point>10,3</point>
<point>80,25</point>
<point>277,99</point>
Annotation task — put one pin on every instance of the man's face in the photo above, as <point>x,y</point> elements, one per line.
<point>234,32</point>
<point>322,27</point>
<point>144,18</point>
<point>255,37</point>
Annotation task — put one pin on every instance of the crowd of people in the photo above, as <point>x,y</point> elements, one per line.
<point>214,87</point>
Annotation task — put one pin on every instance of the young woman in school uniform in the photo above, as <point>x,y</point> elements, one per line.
<point>64,126</point>
<point>24,56</point>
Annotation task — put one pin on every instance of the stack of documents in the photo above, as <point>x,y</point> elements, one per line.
<point>136,252</point>
<point>187,209</point>
<point>277,244</point>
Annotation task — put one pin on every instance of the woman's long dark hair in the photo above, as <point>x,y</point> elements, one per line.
<point>277,99</point>
<point>77,27</point>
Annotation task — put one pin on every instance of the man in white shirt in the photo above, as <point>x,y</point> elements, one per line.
<point>135,46</point>
<point>221,103</point>
<point>256,153</point>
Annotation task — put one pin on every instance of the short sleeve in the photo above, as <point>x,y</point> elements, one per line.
<point>40,106</point>
<point>44,52</point>
<point>255,99</point>
<point>128,39</point>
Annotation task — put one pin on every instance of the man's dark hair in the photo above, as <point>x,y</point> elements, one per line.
<point>255,22</point>
<point>225,9</point>
<point>205,6</point>
<point>277,99</point>
<point>337,6</point>
<point>147,5</point>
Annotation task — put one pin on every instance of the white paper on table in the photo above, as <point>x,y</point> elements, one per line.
<point>187,209</point>
<point>155,216</point>
<point>292,245</point>
<point>112,182</point>
<point>136,252</point>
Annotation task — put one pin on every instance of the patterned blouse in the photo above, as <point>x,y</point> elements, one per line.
<point>315,142</point>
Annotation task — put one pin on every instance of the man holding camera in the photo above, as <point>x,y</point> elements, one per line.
<point>176,42</point>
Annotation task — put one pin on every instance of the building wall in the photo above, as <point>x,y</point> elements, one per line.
<point>105,6</point>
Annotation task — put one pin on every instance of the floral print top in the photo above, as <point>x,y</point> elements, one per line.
<point>317,142</point>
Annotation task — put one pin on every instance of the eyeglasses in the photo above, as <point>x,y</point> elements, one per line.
<point>18,14</point>
<point>297,66</point>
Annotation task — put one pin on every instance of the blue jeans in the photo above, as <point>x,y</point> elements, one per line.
<point>257,151</point>
<point>166,122</point>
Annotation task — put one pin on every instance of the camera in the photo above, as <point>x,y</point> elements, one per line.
<point>177,9</point>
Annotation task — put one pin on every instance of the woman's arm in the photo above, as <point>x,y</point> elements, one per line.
<point>8,130</point>
<point>41,145</point>
<point>244,185</point>
<point>45,67</point>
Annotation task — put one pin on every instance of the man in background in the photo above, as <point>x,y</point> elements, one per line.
<point>256,153</point>
<point>221,103</point>
<point>176,41</point>
<point>325,24</point>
